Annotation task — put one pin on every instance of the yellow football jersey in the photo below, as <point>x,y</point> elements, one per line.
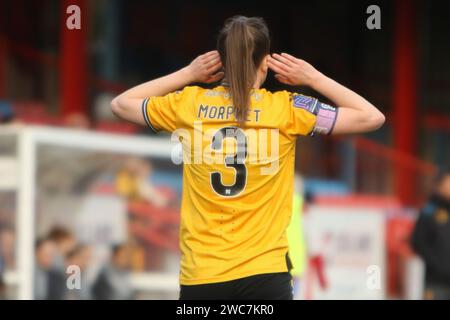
<point>237,181</point>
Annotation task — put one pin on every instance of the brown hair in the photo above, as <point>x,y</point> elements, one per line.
<point>58,234</point>
<point>242,44</point>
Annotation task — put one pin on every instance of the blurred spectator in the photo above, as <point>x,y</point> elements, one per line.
<point>64,241</point>
<point>80,256</point>
<point>296,238</point>
<point>2,287</point>
<point>431,240</point>
<point>7,240</point>
<point>113,282</point>
<point>7,114</point>
<point>133,182</point>
<point>2,283</point>
<point>49,284</point>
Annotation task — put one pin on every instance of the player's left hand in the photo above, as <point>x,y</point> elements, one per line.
<point>292,71</point>
<point>206,68</point>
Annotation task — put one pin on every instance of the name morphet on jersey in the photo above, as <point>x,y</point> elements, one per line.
<point>237,180</point>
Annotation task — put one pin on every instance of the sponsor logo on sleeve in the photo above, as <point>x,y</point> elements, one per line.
<point>305,102</point>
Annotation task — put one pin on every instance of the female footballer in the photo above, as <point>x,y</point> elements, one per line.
<point>236,201</point>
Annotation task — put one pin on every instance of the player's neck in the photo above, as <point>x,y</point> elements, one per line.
<point>257,85</point>
<point>260,78</point>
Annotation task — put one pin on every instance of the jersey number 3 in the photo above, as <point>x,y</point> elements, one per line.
<point>236,161</point>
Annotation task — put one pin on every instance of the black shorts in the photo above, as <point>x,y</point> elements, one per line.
<point>269,286</point>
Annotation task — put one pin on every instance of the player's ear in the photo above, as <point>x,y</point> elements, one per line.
<point>264,66</point>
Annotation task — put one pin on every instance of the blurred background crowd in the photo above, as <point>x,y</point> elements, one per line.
<point>114,211</point>
<point>59,249</point>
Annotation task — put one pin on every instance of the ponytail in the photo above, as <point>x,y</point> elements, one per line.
<point>239,67</point>
<point>242,45</point>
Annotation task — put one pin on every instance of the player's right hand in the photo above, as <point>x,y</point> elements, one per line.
<point>292,71</point>
<point>206,68</point>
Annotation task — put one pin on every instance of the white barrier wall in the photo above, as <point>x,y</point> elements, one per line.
<point>351,242</point>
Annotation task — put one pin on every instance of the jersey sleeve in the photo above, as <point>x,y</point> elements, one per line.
<point>309,116</point>
<point>160,113</point>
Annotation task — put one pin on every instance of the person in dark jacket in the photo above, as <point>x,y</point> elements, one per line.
<point>49,284</point>
<point>7,114</point>
<point>113,282</point>
<point>431,240</point>
<point>3,295</point>
<point>80,256</point>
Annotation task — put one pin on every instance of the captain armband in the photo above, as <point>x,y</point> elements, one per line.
<point>326,118</point>
<point>326,115</point>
